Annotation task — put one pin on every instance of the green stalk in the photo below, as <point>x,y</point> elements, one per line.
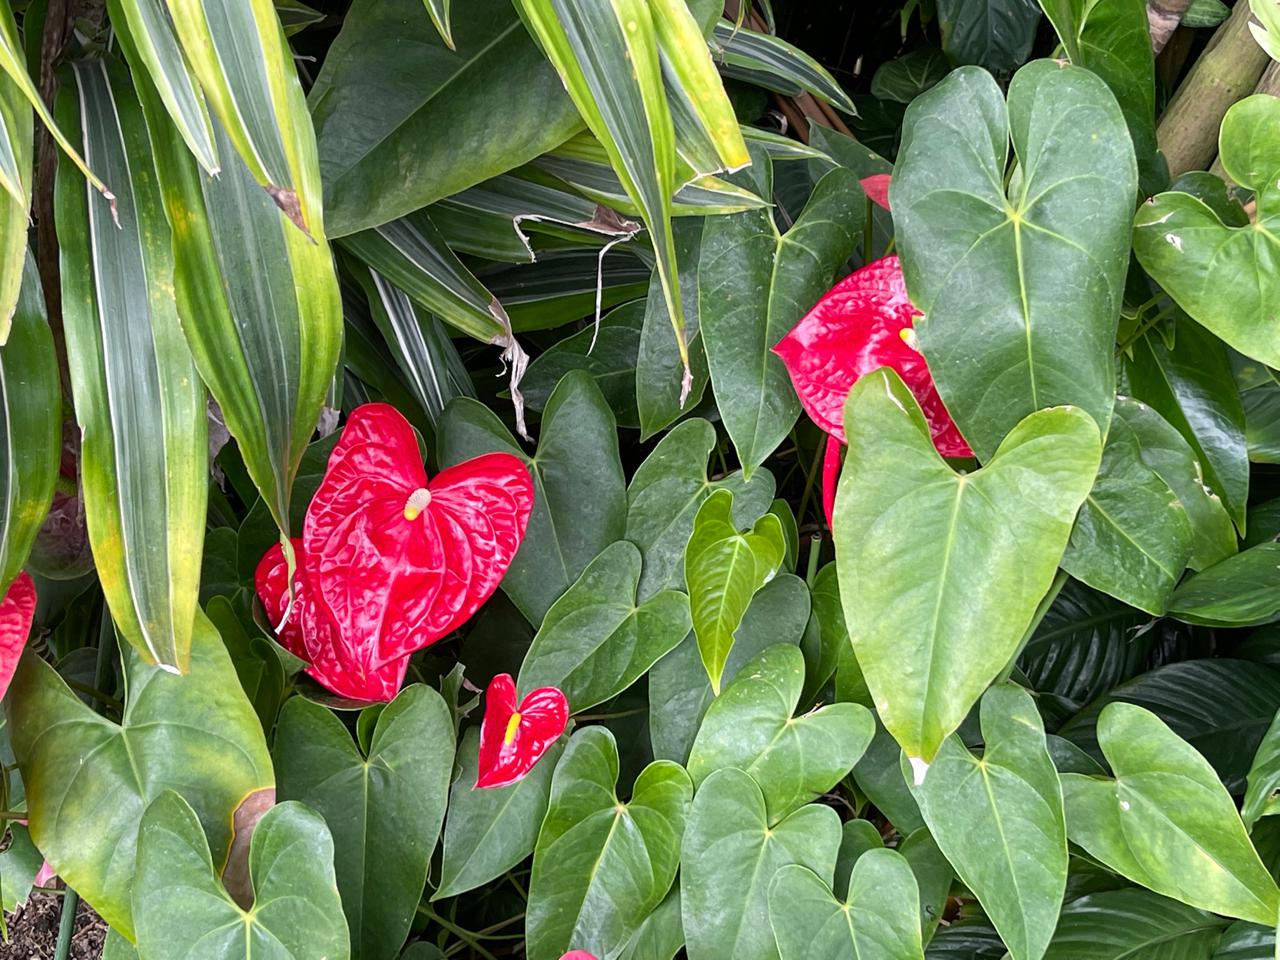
<point>67,924</point>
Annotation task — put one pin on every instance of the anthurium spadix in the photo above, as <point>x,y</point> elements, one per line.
<point>941,572</point>
<point>515,734</point>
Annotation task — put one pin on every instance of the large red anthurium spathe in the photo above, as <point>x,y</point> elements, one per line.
<point>513,737</point>
<point>347,668</point>
<point>17,610</point>
<point>396,560</point>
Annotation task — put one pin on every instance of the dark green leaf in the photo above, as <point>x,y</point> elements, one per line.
<point>996,34</point>
<point>1240,591</point>
<point>1133,924</point>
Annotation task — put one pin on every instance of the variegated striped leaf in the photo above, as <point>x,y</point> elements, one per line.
<point>774,64</point>
<point>16,153</point>
<point>439,10</point>
<point>139,402</point>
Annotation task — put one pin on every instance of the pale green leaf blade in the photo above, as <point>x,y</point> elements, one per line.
<point>946,570</point>
<point>1005,268</point>
<point>30,428</point>
<point>1264,778</point>
<point>196,734</point>
<point>140,405</point>
<point>999,820</point>
<point>600,865</point>
<point>596,641</point>
<point>490,830</point>
<point>1166,821</point>
<point>184,910</point>
<point>876,919</point>
<point>661,936</point>
<point>373,803</point>
<point>1241,591</point>
<point>16,159</point>
<point>751,727</point>
<point>729,857</point>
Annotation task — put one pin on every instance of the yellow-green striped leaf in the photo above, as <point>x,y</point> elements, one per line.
<point>30,426</point>
<point>140,405</point>
<point>16,154</point>
<point>439,11</point>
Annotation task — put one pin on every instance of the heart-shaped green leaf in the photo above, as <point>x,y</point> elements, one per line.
<point>723,569</point>
<point>661,936</point>
<point>490,830</point>
<point>601,865</point>
<point>1020,288</point>
<point>1132,539</point>
<point>183,910</point>
<point>595,641</point>
<point>1223,276</point>
<point>666,492</point>
<point>383,808</point>
<point>89,780</point>
<point>941,573</point>
<point>679,691</point>
<point>729,857</point>
<point>878,918</point>
<point>754,285</point>
<point>999,820</point>
<point>1166,821</point>
<point>794,759</point>
<point>579,502</point>
<point>1240,591</point>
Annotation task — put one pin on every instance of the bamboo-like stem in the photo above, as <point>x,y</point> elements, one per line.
<point>1163,17</point>
<point>1228,69</point>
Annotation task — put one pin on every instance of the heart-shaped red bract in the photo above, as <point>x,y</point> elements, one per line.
<point>347,669</point>
<point>396,561</point>
<point>863,323</point>
<point>17,610</point>
<point>578,955</point>
<point>512,737</point>
<point>876,187</point>
<point>832,458</point>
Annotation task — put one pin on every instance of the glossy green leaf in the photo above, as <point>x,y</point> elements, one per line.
<point>183,909</point>
<point>140,405</point>
<point>1240,591</point>
<point>89,779</point>
<point>933,874</point>
<point>607,353</point>
<point>384,808</point>
<point>945,581</point>
<point>1220,273</point>
<point>1166,821</point>
<point>1165,451</point>
<point>390,83</point>
<point>877,919</point>
<point>823,658</point>
<point>994,33</point>
<point>751,726</point>
<point>723,569</point>
<point>439,11</point>
<point>1133,924</point>
<point>19,864</point>
<point>238,53</point>
<point>999,820</point>
<point>1033,273</point>
<point>1221,706</point>
<point>729,858</point>
<point>579,503</point>
<point>17,154</point>
<point>679,690</point>
<point>153,47</point>
<point>856,838</point>
<point>565,285</point>
<point>596,641</point>
<point>1132,538</point>
<point>1191,386</point>
<point>489,831</point>
<point>774,64</point>
<point>755,284</point>
<point>1246,941</point>
<point>31,427</point>
<point>1264,778</point>
<point>906,77</point>
<point>661,936</point>
<point>1113,39</point>
<point>601,865</point>
<point>667,491</point>
<point>971,939</point>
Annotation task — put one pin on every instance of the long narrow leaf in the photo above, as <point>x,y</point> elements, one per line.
<point>259,301</point>
<point>776,65</point>
<point>16,153</point>
<point>439,10</point>
<point>140,405</point>
<point>146,31</point>
<point>30,428</point>
<point>237,50</point>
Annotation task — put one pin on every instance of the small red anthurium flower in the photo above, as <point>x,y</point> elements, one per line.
<point>349,669</point>
<point>512,737</point>
<point>861,324</point>
<point>578,955</point>
<point>17,610</point>
<point>876,187</point>
<point>396,560</point>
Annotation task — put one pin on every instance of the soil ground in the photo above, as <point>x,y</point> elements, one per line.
<point>33,931</point>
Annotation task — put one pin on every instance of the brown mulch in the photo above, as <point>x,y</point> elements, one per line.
<point>33,931</point>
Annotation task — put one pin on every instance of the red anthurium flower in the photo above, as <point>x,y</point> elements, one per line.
<point>864,322</point>
<point>17,610</point>
<point>876,187</point>
<point>398,561</point>
<point>348,669</point>
<point>578,955</point>
<point>512,737</point>
<point>832,458</point>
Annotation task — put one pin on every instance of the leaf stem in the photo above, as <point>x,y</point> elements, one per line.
<point>67,924</point>
<point>612,716</point>
<point>815,468</point>
<point>460,932</point>
<point>97,694</point>
<point>815,547</point>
